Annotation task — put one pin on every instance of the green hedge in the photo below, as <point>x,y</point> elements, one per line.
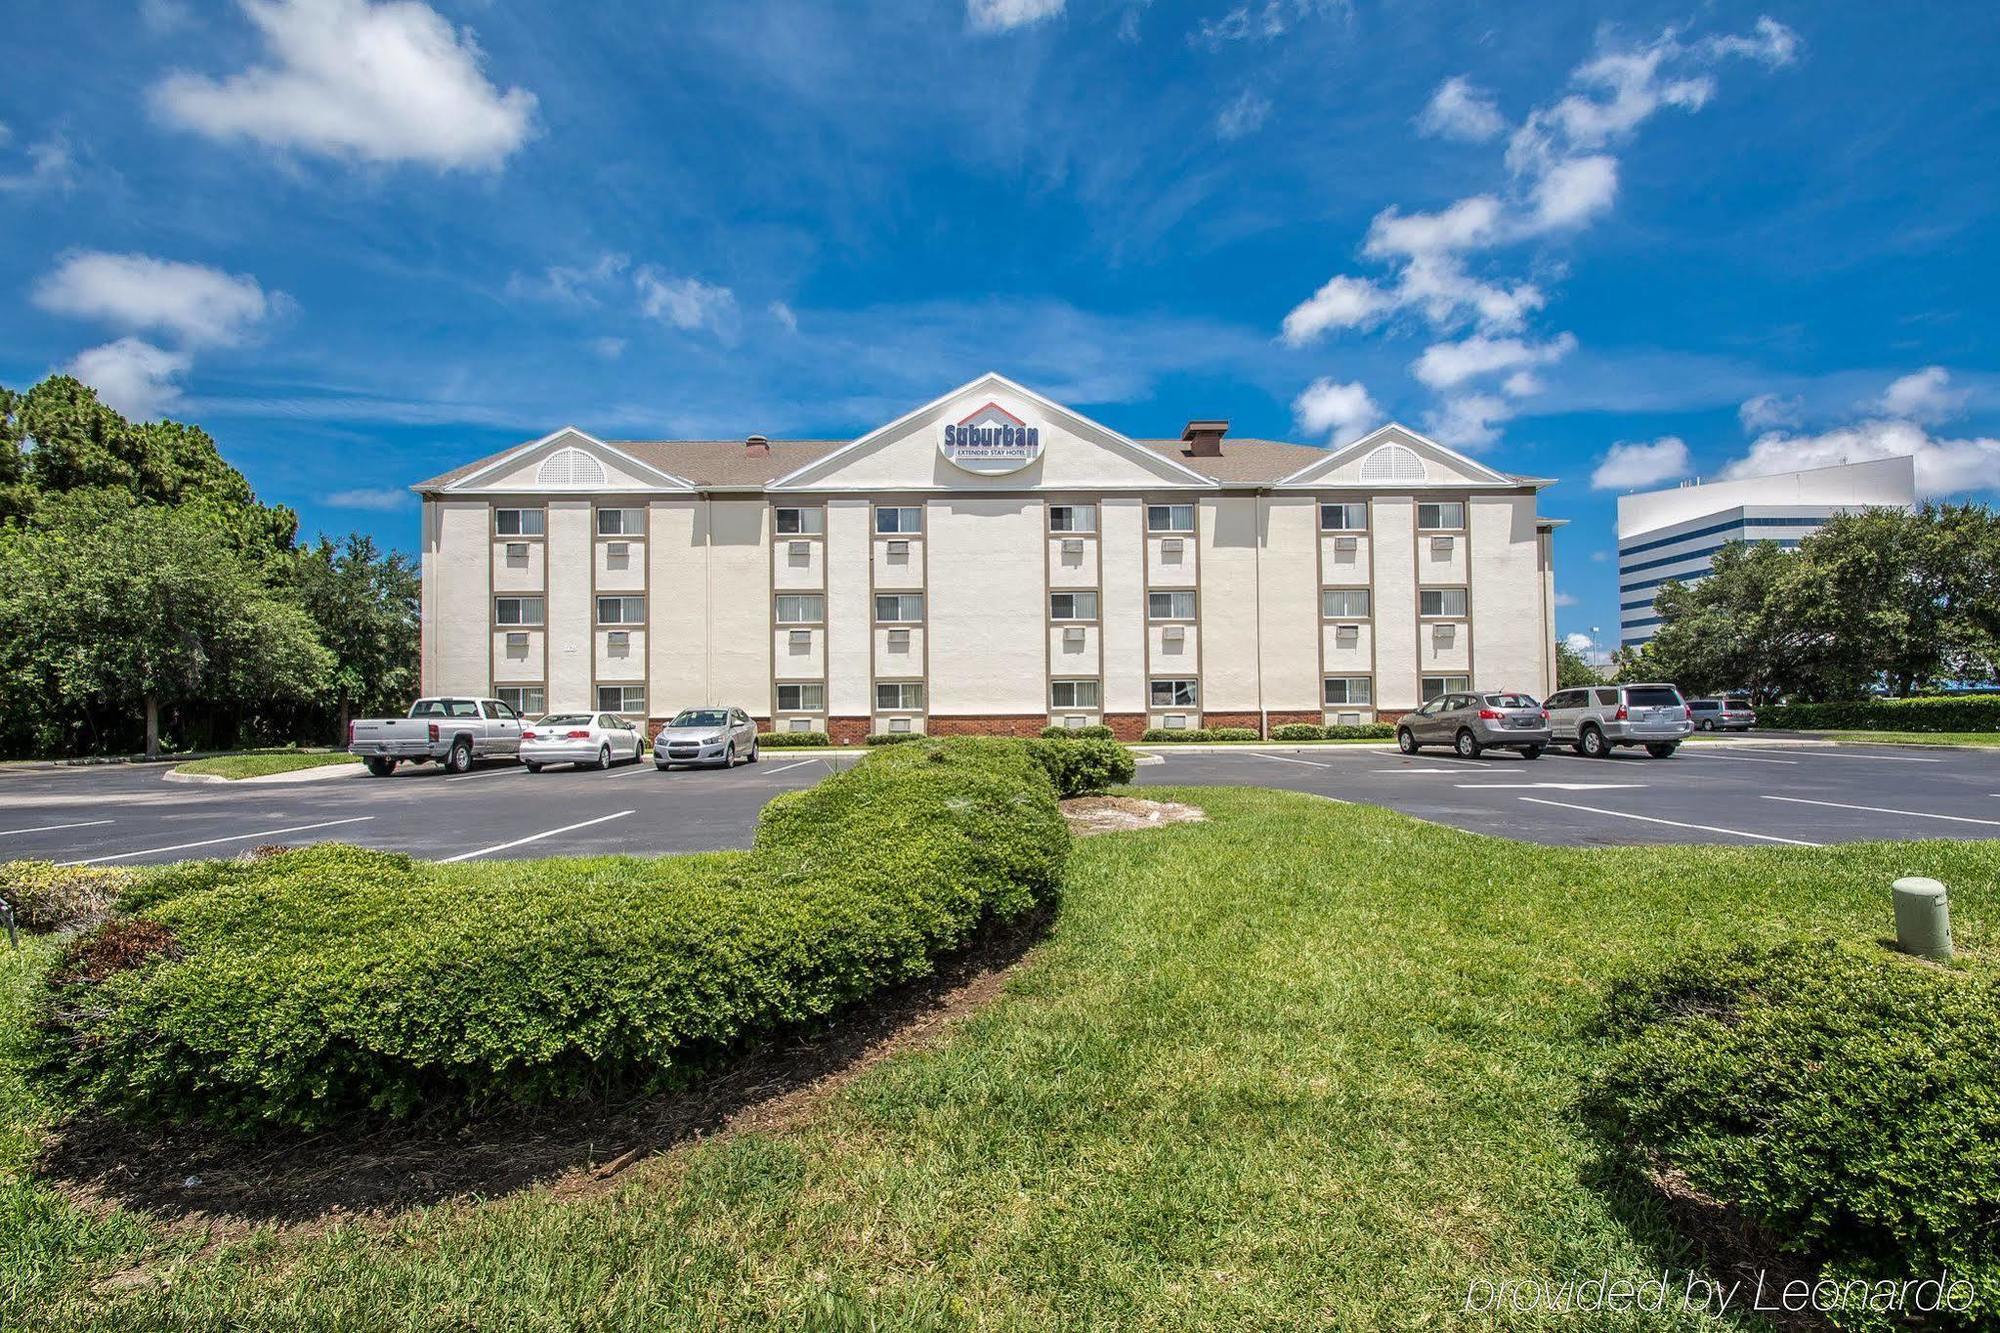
<point>1078,734</point>
<point>1085,767</point>
<point>894,737</point>
<point>46,896</point>
<point>1152,734</point>
<point>1843,1097</point>
<point>1968,712</point>
<point>329,984</point>
<point>792,740</point>
<point>1308,731</point>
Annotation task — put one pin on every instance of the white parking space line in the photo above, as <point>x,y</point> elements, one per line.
<point>1287,759</point>
<point>533,837</point>
<point>1672,823</point>
<point>1867,758</point>
<point>1885,810</point>
<point>1737,758</point>
<point>211,842</point>
<point>51,828</point>
<point>1550,786</point>
<point>786,768</point>
<point>496,773</point>
<point>1416,770</point>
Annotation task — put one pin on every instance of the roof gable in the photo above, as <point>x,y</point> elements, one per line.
<point>566,461</point>
<point>1393,456</point>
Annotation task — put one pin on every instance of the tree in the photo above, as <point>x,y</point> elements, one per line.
<point>115,614</point>
<point>364,604</point>
<point>1571,668</point>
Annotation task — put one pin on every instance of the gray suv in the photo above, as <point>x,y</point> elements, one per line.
<point>1472,723</point>
<point>706,736</point>
<point>1596,720</point>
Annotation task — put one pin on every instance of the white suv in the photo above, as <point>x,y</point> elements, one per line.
<point>1597,719</point>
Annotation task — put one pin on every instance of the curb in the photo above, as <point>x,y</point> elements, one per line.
<point>321,773</point>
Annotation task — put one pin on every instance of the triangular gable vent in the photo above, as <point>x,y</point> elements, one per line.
<point>1393,462</point>
<point>570,467</point>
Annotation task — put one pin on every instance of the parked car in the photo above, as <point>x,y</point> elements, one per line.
<point>1472,723</point>
<point>453,730</point>
<point>1596,720</point>
<point>706,736</point>
<point>596,739</point>
<point>1722,714</point>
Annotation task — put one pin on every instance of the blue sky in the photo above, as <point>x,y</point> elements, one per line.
<point>1616,245</point>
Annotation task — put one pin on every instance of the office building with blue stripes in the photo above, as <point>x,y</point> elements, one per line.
<point>1674,534</point>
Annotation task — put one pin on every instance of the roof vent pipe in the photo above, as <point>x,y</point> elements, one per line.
<point>1204,438</point>
<point>757,446</point>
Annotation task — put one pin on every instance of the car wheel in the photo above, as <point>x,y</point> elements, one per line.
<point>1468,745</point>
<point>381,768</point>
<point>532,767</point>
<point>1707,725</point>
<point>729,756</point>
<point>1531,751</point>
<point>1663,751</point>
<point>603,757</point>
<point>1406,740</point>
<point>753,753</point>
<point>1591,745</point>
<point>459,760</point>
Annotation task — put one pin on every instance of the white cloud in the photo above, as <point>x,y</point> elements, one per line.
<point>1245,114</point>
<point>1771,42</point>
<point>1446,365</point>
<point>610,349</point>
<point>1634,466</point>
<point>375,82</point>
<point>1923,395</point>
<point>787,318</point>
<point>1468,421</point>
<point>1944,466</point>
<point>133,376</point>
<point>685,303</point>
<point>370,497</point>
<point>1522,384</point>
<point>1459,110</point>
<point>1767,410</point>
<point>193,302</point>
<point>1260,22</point>
<point>1565,599</point>
<point>49,166</point>
<point>1574,192</point>
<point>1342,303</point>
<point>1464,225</point>
<point>1003,15</point>
<point>573,285</point>
<point>1341,412</point>
<point>1577,642</point>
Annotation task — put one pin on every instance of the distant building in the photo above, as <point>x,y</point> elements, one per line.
<point>1674,534</point>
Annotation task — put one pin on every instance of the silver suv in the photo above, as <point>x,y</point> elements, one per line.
<point>1472,723</point>
<point>1596,720</point>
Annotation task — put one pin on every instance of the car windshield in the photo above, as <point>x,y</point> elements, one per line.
<point>564,720</point>
<point>1653,696</point>
<point>444,708</point>
<point>702,717</point>
<point>1510,701</point>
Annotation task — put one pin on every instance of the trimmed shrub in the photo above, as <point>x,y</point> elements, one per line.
<point>1078,734</point>
<point>792,740</point>
<point>330,984</point>
<point>1233,734</point>
<point>1298,731</point>
<point>1084,768</point>
<point>894,737</point>
<point>1842,1097</point>
<point>46,896</point>
<point>1966,712</point>
<point>1155,734</point>
<point>1362,731</point>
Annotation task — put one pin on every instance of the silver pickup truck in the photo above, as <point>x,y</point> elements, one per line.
<point>450,729</point>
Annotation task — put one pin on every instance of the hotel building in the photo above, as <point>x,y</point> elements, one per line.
<point>990,563</point>
<point>1674,534</point>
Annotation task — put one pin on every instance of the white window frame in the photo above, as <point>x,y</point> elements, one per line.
<point>630,522</point>
<point>1174,598</point>
<point>539,528</point>
<point>1071,512</point>
<point>1440,510</point>
<point>520,701</point>
<point>523,600</point>
<point>1346,523</point>
<point>812,602</point>
<point>625,694</point>
<point>1087,699</point>
<point>913,515</point>
<point>1175,692</point>
<point>1350,698</point>
<point>900,599</point>
<point>810,696</point>
<point>1327,611</point>
<point>902,688</point>
<point>1443,613</point>
<point>1168,518</point>
<point>624,604</point>
<point>811,520</point>
<point>1077,597</point>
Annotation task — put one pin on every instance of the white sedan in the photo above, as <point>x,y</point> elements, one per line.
<point>595,739</point>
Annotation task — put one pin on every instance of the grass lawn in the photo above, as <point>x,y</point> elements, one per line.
<point>1304,1065</point>
<point>263,763</point>
<point>1981,738</point>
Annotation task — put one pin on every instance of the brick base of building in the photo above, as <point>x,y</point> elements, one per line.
<point>1126,726</point>
<point>987,724</point>
<point>1391,714</point>
<point>847,730</point>
<point>1288,719</point>
<point>1250,720</point>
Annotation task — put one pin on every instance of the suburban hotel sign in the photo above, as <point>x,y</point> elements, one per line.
<point>991,441</point>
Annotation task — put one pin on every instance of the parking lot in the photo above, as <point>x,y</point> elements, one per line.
<point>1746,793</point>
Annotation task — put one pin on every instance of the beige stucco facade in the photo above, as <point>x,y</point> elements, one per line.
<point>1069,575</point>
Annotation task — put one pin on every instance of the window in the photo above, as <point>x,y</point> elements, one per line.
<point>527,700</point>
<point>1072,606</point>
<point>1344,603</point>
<point>1566,699</point>
<point>801,522</point>
<point>1450,514</point>
<point>1174,694</point>
<point>1072,694</point>
<point>1072,518</point>
<point>909,519</point>
<point>1343,518</point>
<point>1348,690</point>
<point>1170,518</point>
<point>801,608</point>
<point>621,522</point>
<point>1441,602</point>
<point>894,606</point>
<point>444,708</point>
<point>498,711</point>
<point>1653,696</point>
<point>903,696</point>
<point>621,610</point>
<point>517,610</point>
<point>518,522</point>
<point>802,698</point>
<point>1170,606</point>
<point>1432,686</point>
<point>621,698</point>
